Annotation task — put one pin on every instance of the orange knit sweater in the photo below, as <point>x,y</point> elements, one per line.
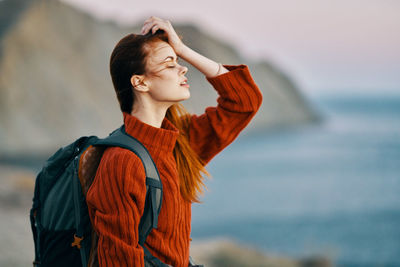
<point>117,195</point>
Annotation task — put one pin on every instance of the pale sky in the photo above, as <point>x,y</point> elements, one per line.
<point>325,46</point>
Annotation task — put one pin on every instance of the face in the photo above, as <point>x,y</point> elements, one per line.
<point>164,76</point>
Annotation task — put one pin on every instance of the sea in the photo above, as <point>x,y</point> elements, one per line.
<point>330,189</point>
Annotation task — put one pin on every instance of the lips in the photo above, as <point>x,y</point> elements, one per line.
<point>184,82</point>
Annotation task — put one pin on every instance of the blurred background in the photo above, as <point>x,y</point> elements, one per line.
<point>313,180</point>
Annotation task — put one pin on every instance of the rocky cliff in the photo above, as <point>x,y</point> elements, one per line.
<point>55,85</point>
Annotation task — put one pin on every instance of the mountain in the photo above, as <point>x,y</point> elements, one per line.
<point>55,84</point>
<point>9,13</point>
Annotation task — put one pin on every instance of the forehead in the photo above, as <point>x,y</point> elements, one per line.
<point>159,51</point>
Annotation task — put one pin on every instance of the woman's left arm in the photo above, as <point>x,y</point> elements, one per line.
<point>238,102</point>
<point>205,65</point>
<point>239,97</point>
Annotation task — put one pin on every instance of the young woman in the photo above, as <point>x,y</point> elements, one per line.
<point>150,83</point>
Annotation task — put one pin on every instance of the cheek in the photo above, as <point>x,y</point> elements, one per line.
<point>164,87</point>
<point>160,94</point>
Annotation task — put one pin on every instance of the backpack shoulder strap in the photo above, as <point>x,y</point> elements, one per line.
<point>121,139</point>
<point>153,201</point>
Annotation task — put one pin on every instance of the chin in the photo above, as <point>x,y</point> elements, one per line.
<point>187,96</point>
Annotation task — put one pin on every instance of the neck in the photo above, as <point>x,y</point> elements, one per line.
<point>151,114</point>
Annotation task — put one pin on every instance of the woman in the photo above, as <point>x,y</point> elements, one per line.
<point>150,83</point>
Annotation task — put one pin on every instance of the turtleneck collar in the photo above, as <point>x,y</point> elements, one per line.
<point>152,137</point>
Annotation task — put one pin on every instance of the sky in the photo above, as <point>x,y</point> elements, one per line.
<point>324,46</point>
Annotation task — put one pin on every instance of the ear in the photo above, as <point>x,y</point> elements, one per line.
<point>138,83</point>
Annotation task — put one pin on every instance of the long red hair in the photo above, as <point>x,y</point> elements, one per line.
<point>129,58</point>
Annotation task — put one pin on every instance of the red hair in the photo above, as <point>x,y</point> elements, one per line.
<point>129,58</point>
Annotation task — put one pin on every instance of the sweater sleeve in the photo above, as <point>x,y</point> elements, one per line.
<point>239,100</point>
<point>116,203</point>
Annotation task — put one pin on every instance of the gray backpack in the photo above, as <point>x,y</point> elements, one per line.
<point>61,227</point>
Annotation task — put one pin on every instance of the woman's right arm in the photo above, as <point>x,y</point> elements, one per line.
<point>116,203</point>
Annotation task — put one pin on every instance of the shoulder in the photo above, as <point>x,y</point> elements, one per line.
<point>120,177</point>
<point>121,163</point>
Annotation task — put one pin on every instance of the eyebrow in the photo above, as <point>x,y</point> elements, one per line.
<point>171,57</point>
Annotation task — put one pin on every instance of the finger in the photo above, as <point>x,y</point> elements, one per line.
<point>155,18</point>
<point>154,29</point>
<point>152,19</point>
<point>147,22</point>
<point>147,27</point>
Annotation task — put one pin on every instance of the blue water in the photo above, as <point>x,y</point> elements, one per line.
<point>330,189</point>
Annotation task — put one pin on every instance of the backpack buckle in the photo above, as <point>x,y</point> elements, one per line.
<point>77,241</point>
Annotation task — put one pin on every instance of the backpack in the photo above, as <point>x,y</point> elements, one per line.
<point>61,227</point>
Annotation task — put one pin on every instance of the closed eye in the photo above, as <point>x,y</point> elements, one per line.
<point>172,66</point>
<point>171,61</point>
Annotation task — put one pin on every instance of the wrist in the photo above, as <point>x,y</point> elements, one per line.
<point>181,50</point>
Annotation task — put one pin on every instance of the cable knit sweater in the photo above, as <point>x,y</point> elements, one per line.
<point>117,196</point>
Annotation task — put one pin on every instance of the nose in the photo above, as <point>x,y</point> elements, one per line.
<point>184,70</point>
